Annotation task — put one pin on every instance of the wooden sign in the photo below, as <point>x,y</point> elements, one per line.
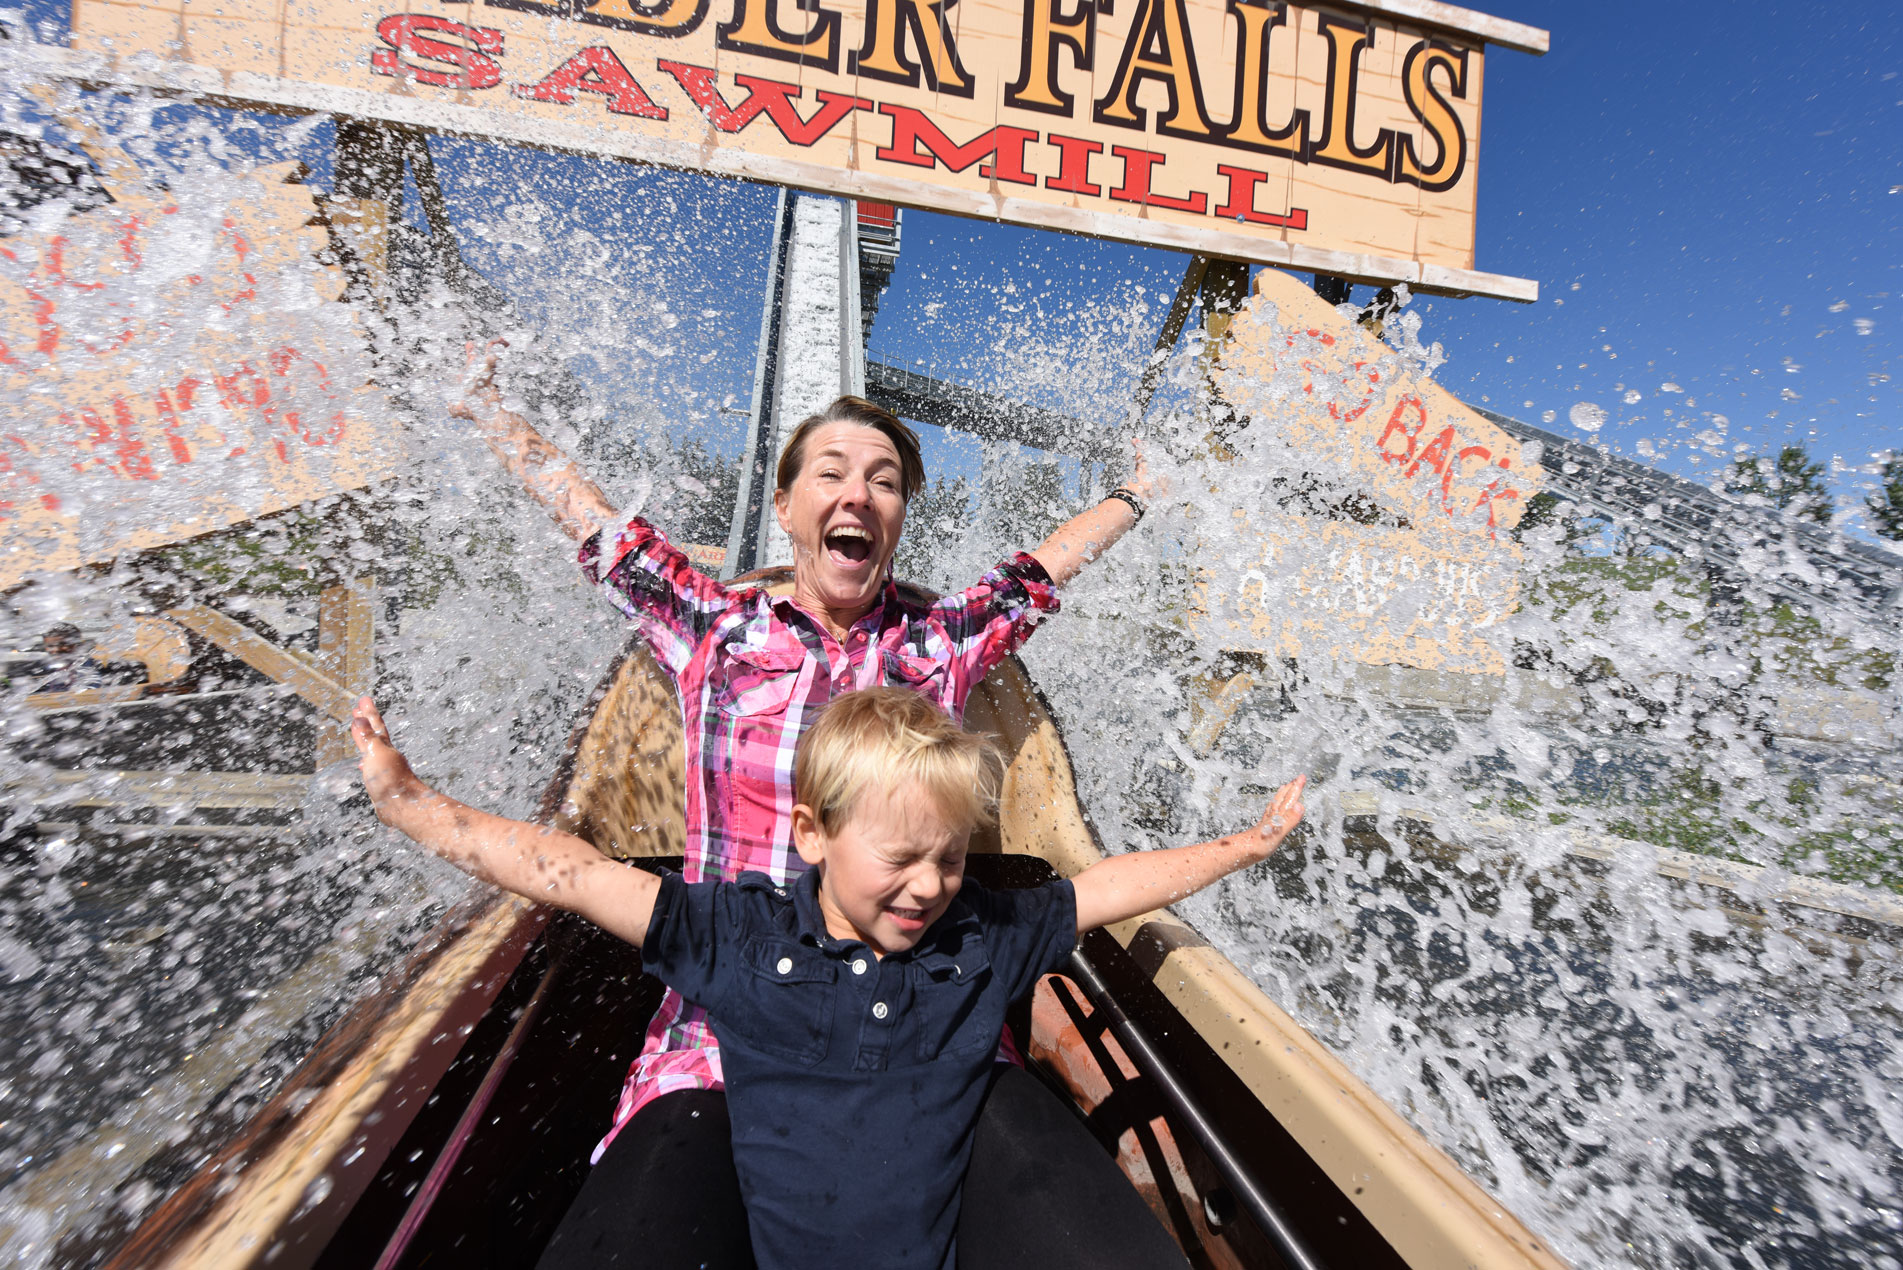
<point>1344,139</point>
<point>170,370</point>
<point>1416,562</point>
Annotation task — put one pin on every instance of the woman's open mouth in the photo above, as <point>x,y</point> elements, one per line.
<point>849,546</point>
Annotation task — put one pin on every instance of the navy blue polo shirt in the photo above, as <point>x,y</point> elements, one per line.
<point>853,1082</point>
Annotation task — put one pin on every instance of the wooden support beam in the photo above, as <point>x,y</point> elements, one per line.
<point>366,199</point>
<point>449,257</point>
<point>1213,704</point>
<point>81,697</point>
<point>105,787</point>
<point>1166,339</point>
<point>346,633</point>
<point>262,655</point>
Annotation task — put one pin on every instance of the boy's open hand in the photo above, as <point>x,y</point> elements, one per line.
<point>387,777</point>
<point>1285,811</point>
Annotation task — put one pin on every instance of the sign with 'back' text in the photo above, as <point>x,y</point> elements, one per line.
<point>1341,139</point>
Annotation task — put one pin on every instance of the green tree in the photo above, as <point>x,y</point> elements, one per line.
<point>1886,505</point>
<point>935,521</point>
<point>1790,481</point>
<point>695,489</point>
<point>1545,508</point>
<point>1023,502</point>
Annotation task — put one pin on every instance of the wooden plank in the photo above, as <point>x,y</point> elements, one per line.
<point>1507,34</point>
<point>346,655</point>
<point>82,697</point>
<point>262,655</point>
<point>105,787</point>
<point>118,703</point>
<point>185,425</point>
<point>1686,866</point>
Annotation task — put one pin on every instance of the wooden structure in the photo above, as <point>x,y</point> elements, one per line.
<point>1420,498</point>
<point>356,1161</point>
<point>146,421</point>
<point>1342,139</point>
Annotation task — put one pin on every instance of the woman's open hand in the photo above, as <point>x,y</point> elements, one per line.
<point>1285,811</point>
<point>387,777</point>
<point>477,391</point>
<point>1139,481</point>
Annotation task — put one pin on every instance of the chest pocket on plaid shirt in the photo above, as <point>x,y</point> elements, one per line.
<point>786,1004</point>
<point>923,675</point>
<point>757,681</point>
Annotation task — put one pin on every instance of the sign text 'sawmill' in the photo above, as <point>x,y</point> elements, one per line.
<point>1340,140</point>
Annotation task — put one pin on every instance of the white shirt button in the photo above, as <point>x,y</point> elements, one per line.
<point>786,965</point>
<point>858,965</point>
<point>878,1010</point>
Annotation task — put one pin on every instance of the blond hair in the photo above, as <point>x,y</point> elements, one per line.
<point>857,410</point>
<point>882,737</point>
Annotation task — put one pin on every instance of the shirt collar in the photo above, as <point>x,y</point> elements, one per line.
<point>874,618</point>
<point>954,928</point>
<point>811,921</point>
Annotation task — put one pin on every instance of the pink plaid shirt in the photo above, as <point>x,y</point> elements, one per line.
<point>751,670</point>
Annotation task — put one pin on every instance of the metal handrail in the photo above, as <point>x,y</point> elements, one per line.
<point>1267,1214</point>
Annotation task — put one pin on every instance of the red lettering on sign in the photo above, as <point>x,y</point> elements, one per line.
<point>1496,491</point>
<point>1397,427</point>
<point>1435,455</point>
<point>283,361</point>
<point>913,128</point>
<point>770,96</point>
<point>242,249</point>
<point>1073,167</point>
<point>171,402</point>
<point>1480,452</point>
<point>413,35</point>
<point>246,387</point>
<point>1241,203</point>
<point>1137,166</point>
<point>594,70</point>
<point>122,443</point>
<point>1007,164</point>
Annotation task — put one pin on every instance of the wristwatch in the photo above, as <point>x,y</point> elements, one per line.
<point>1124,495</point>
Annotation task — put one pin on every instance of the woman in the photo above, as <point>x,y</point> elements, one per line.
<point>751,670</point>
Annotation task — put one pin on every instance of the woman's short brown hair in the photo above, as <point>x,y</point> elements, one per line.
<point>879,738</point>
<point>857,410</point>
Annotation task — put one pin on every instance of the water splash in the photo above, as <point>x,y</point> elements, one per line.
<point>1647,1071</point>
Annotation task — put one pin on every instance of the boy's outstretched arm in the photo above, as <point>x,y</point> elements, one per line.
<point>533,861</point>
<point>1124,886</point>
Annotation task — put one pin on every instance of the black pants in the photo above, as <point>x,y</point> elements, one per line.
<point>1040,1193</point>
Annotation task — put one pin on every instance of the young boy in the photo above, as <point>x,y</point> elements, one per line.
<point>859,1008</point>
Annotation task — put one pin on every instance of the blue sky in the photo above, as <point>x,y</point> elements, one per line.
<point>1710,196</point>
<point>1724,186</point>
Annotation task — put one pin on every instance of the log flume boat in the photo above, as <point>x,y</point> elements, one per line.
<point>447,1119</point>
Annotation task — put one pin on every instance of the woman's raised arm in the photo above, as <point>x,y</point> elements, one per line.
<point>551,477</point>
<point>1093,531</point>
